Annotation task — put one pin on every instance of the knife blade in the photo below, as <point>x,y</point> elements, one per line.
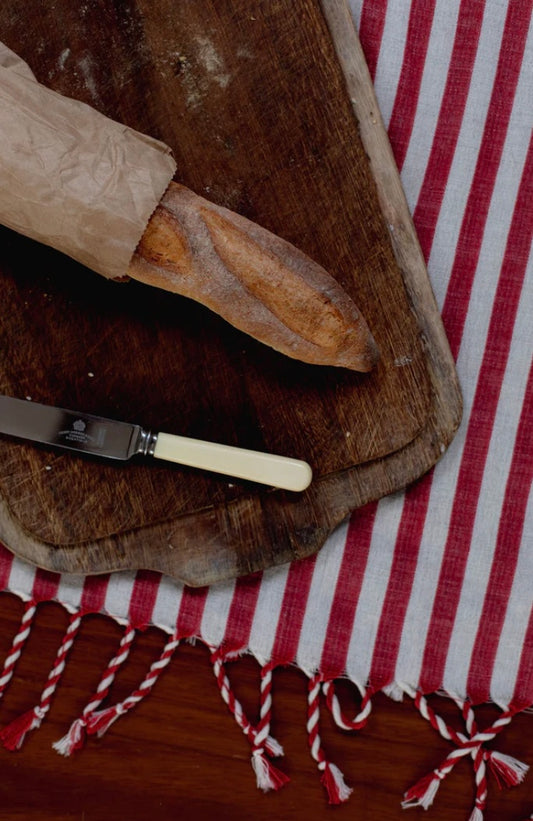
<point>111,439</point>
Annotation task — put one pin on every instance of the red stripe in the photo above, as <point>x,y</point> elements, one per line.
<point>479,433</point>
<point>449,123</point>
<point>523,694</point>
<point>505,557</point>
<point>241,612</point>
<point>189,618</point>
<point>45,585</point>
<point>143,598</point>
<point>347,591</point>
<point>414,60</point>
<point>471,236</point>
<point>94,593</point>
<point>6,561</point>
<point>292,611</point>
<point>371,27</point>
<point>400,585</point>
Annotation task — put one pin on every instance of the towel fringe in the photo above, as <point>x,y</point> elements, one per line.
<point>75,737</point>
<point>509,771</point>
<point>99,721</point>
<point>17,645</point>
<point>268,777</point>
<point>332,701</point>
<point>13,735</point>
<point>94,720</point>
<point>332,778</point>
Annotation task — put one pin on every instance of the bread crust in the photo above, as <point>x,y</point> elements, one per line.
<point>255,280</point>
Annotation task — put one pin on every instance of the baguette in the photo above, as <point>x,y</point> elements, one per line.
<point>255,280</point>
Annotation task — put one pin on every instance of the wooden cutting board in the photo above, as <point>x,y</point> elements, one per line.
<point>269,110</point>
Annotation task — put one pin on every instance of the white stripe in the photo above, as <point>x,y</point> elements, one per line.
<point>21,578</point>
<point>118,595</point>
<point>356,8</point>
<point>216,610</point>
<point>393,45</point>
<point>517,616</point>
<point>373,589</point>
<point>167,604</point>
<point>436,67</point>
<point>70,591</point>
<point>267,612</point>
<point>320,599</point>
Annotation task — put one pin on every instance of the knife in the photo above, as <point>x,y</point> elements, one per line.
<point>84,432</point>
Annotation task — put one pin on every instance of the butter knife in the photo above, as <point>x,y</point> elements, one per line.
<point>111,439</point>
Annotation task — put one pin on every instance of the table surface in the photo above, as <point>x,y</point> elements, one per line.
<point>180,752</point>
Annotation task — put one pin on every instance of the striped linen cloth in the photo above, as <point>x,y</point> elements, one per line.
<point>427,590</point>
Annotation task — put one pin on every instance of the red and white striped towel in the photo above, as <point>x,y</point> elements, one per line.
<point>428,590</point>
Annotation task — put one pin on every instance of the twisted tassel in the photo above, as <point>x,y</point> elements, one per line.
<point>100,721</point>
<point>75,737</point>
<point>507,770</point>
<point>332,778</point>
<point>479,757</point>
<point>268,777</point>
<point>272,747</point>
<point>356,723</point>
<point>17,645</point>
<point>13,735</point>
<point>424,791</point>
<point>481,785</point>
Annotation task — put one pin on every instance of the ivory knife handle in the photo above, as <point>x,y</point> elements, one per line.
<point>266,468</point>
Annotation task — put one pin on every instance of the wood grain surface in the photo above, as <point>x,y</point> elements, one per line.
<point>269,110</point>
<point>180,755</point>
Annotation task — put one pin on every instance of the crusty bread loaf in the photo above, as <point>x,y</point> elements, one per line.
<point>257,281</point>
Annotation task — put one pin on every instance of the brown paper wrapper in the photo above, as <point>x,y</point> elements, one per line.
<point>72,178</point>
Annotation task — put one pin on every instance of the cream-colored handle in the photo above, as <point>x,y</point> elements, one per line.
<point>266,468</point>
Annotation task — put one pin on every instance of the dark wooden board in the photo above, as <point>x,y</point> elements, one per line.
<point>269,110</point>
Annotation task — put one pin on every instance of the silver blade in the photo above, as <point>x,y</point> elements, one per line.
<point>69,429</point>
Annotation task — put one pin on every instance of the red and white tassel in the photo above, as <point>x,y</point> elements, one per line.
<point>332,778</point>
<point>478,756</point>
<point>75,737</point>
<point>14,734</point>
<point>268,776</point>
<point>271,745</point>
<point>508,771</point>
<point>438,723</point>
<point>422,794</point>
<point>356,723</point>
<point>481,785</point>
<point>100,721</point>
<point>17,645</point>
